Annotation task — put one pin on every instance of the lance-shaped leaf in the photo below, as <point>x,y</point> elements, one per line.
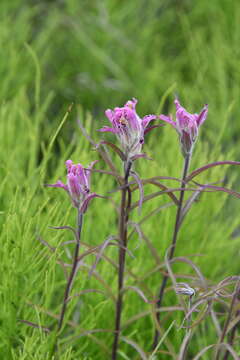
<point>36,326</point>
<point>114,148</point>
<point>133,344</point>
<point>223,345</point>
<point>193,198</point>
<point>168,192</point>
<point>209,166</point>
<point>99,255</point>
<point>220,188</point>
<point>140,293</point>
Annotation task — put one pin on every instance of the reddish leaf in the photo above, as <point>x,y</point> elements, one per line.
<point>114,148</point>
<point>206,167</point>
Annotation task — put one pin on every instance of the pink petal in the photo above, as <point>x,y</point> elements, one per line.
<point>81,176</point>
<point>58,184</point>
<point>177,104</point>
<point>146,120</point>
<point>202,116</point>
<point>74,186</point>
<point>88,170</point>
<point>108,129</point>
<point>152,127</point>
<point>169,120</point>
<point>109,114</point>
<point>69,164</point>
<point>132,103</point>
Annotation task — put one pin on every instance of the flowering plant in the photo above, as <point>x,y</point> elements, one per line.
<point>130,130</point>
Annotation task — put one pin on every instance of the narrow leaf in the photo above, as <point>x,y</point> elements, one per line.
<point>161,340</point>
<point>43,328</point>
<point>114,148</point>
<point>136,347</point>
<point>100,253</point>
<point>211,165</point>
<point>140,293</point>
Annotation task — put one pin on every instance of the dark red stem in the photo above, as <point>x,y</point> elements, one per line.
<point>122,255</point>
<point>73,270</point>
<point>69,284</point>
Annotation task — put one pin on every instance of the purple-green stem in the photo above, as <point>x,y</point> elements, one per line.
<point>70,279</point>
<point>122,255</point>
<point>187,160</point>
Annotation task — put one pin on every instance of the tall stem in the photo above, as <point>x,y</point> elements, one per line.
<point>70,280</point>
<point>73,270</point>
<point>173,245</point>
<point>122,255</point>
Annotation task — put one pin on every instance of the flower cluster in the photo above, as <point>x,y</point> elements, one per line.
<point>78,185</point>
<point>130,130</point>
<point>128,127</point>
<point>187,126</point>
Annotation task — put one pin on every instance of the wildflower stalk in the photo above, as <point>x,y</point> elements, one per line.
<point>73,270</point>
<point>187,160</point>
<point>125,205</point>
<point>70,279</point>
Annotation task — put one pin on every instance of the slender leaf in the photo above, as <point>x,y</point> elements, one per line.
<point>209,166</point>
<point>142,354</point>
<point>114,148</point>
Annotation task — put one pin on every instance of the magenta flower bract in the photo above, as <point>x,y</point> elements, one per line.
<point>78,185</point>
<point>187,126</point>
<point>128,127</point>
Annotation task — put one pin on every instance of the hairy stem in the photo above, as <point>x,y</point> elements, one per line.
<point>173,245</point>
<point>125,206</point>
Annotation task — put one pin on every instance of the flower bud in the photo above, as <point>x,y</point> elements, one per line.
<point>78,185</point>
<point>184,289</point>
<point>187,126</point>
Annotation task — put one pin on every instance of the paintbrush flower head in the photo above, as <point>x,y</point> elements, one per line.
<point>187,126</point>
<point>78,185</point>
<point>128,127</point>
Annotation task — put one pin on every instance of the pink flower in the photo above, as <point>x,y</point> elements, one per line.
<point>187,126</point>
<point>78,185</point>
<point>128,127</point>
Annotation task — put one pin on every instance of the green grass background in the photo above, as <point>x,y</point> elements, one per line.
<point>97,54</point>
